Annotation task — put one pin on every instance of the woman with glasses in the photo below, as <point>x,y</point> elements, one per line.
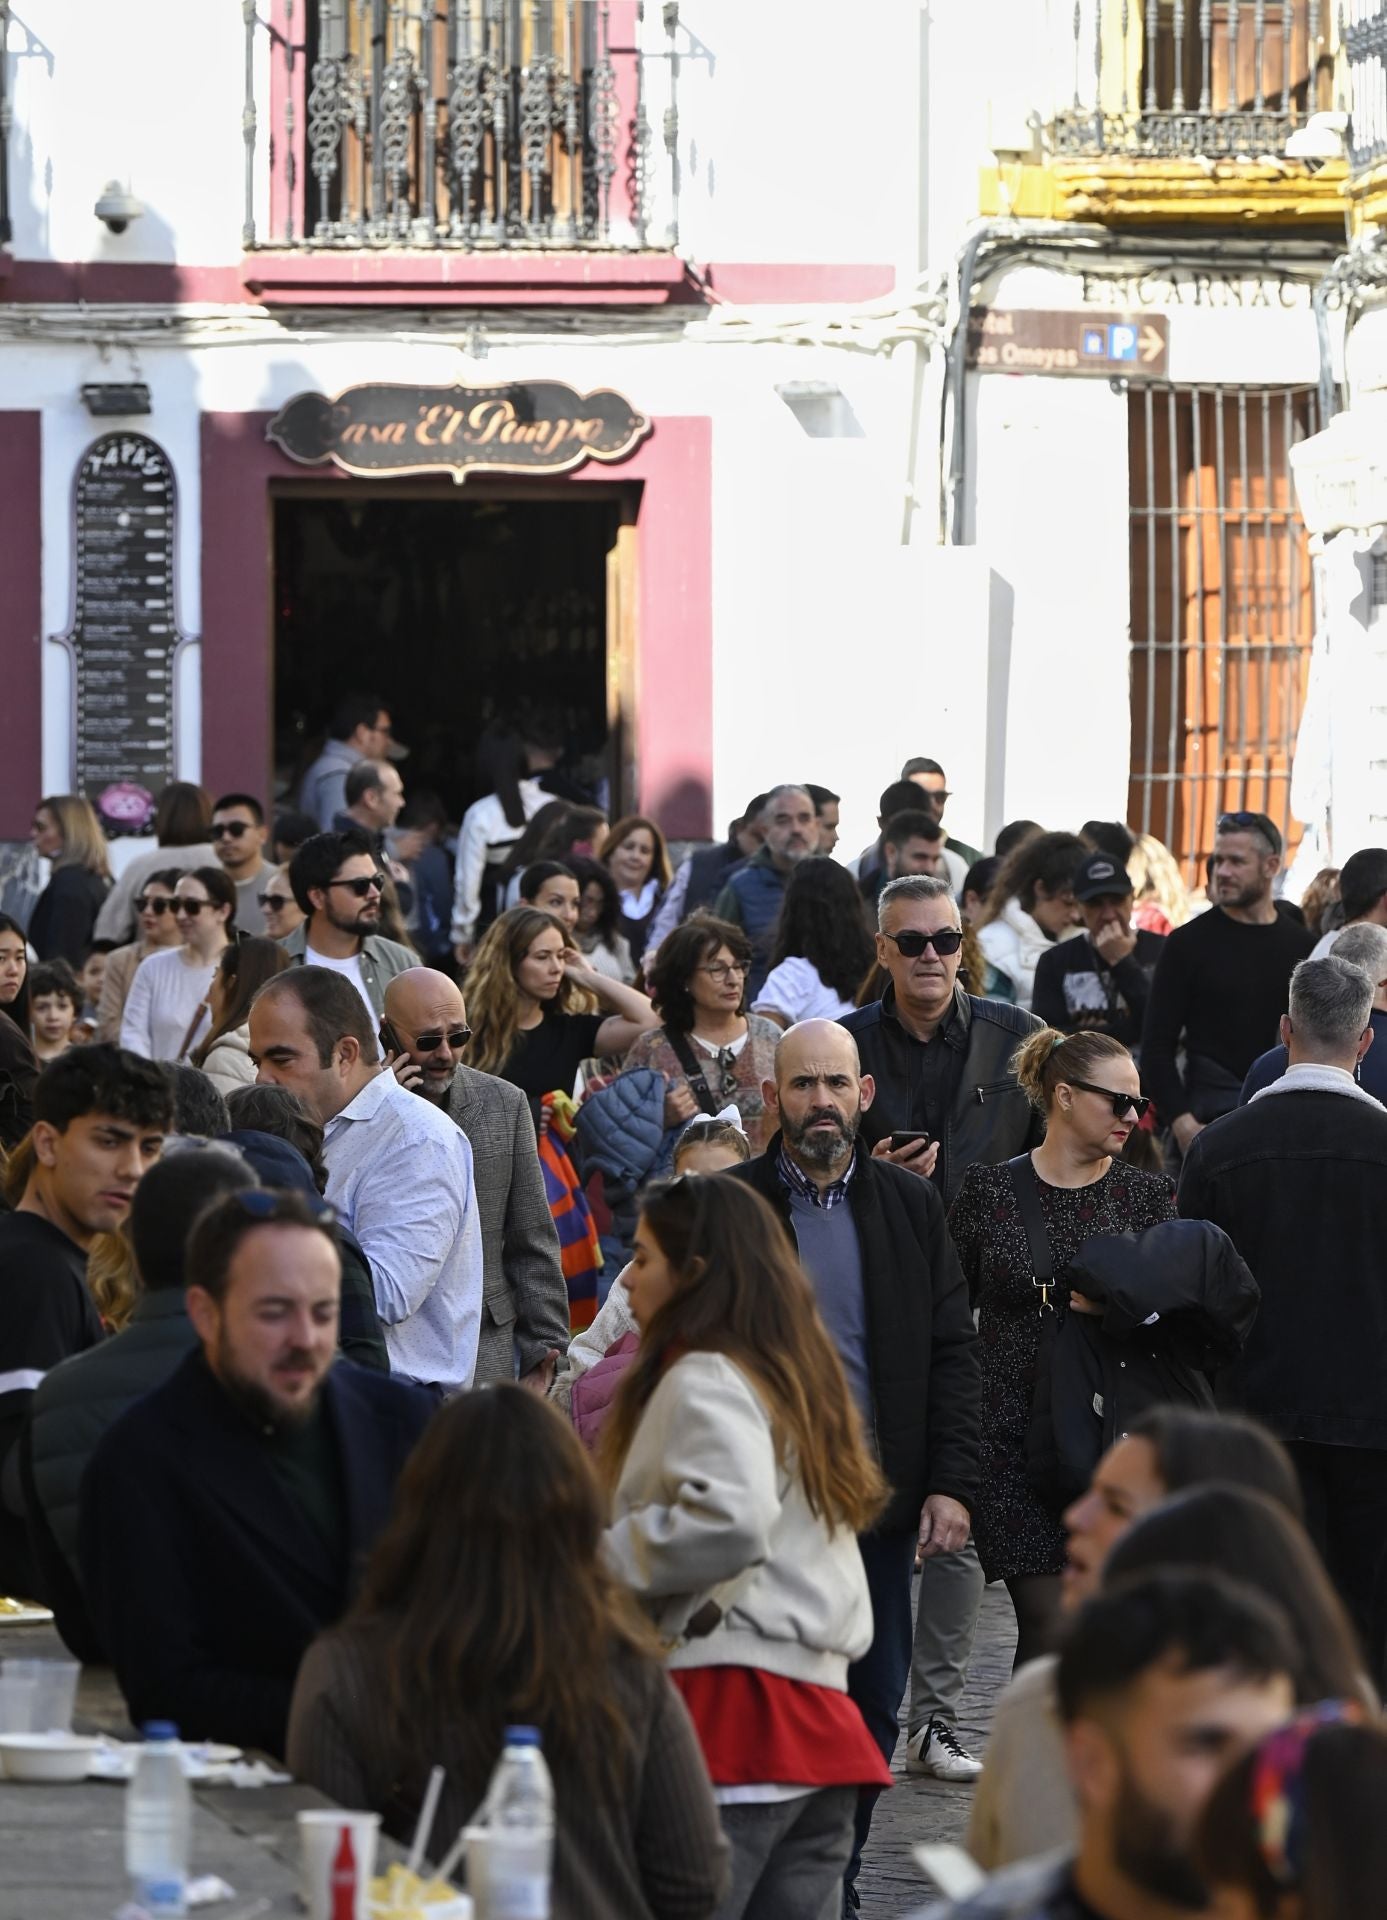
<point>281,910</point>
<point>158,928</point>
<point>243,969</point>
<point>1030,907</point>
<point>712,1052</point>
<point>1074,1185</point>
<point>166,1013</point>
<point>67,833</point>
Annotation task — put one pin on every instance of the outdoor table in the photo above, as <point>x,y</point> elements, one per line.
<point>62,1849</point>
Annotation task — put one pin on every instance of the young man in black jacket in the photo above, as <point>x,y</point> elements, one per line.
<point>873,1242</point>
<point>1296,1179</point>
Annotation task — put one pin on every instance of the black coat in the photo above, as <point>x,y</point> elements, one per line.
<point>204,1584</point>
<point>1297,1179</point>
<point>1179,1303</point>
<point>989,1118</point>
<point>60,927</point>
<point>920,1336</point>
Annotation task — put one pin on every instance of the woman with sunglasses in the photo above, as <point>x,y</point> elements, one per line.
<point>166,1013</point>
<point>1088,1088</point>
<point>711,1051</point>
<point>281,910</point>
<point>158,928</point>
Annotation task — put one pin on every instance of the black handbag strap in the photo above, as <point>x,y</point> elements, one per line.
<point>693,1073</point>
<point>1032,1219</point>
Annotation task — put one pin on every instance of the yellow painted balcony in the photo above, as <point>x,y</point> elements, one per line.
<point>1181,111</point>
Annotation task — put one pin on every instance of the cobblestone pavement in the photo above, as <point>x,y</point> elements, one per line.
<point>916,1808</point>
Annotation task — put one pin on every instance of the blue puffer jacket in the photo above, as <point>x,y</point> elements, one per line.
<point>752,900</point>
<point>622,1133</point>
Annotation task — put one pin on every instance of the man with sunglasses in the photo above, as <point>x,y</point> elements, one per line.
<point>524,1295</point>
<point>940,1060</point>
<point>338,884</point>
<point>1219,988</point>
<point>238,839</point>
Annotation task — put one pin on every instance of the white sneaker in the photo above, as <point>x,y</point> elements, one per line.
<point>936,1750</point>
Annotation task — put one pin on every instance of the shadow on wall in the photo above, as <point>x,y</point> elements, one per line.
<point>684,810</point>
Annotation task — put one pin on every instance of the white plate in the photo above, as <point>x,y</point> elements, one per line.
<point>23,1613</point>
<point>115,1759</point>
<point>54,1758</point>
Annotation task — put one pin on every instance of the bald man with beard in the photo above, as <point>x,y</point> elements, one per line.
<point>524,1296</point>
<point>873,1241</point>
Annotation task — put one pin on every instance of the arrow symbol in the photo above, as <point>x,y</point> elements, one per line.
<point>1152,345</point>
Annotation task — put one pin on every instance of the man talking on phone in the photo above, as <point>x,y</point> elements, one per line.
<point>946,1097</point>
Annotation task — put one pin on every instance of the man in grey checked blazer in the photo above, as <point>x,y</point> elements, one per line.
<point>524,1298</point>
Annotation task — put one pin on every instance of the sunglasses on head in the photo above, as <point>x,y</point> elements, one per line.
<point>1122,1103</point>
<point>912,942</point>
<point>269,1203</point>
<point>372,882</point>
<point>235,828</point>
<point>274,902</point>
<point>155,903</point>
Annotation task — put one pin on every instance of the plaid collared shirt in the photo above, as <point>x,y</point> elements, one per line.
<point>797,1181</point>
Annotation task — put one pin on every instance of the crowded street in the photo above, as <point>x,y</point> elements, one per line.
<point>593,1327</point>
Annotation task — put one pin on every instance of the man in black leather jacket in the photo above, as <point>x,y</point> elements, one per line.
<point>941,1061</point>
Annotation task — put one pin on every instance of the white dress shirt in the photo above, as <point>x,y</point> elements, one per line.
<point>400,1175</point>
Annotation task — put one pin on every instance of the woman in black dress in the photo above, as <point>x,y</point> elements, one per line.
<point>1089,1090</point>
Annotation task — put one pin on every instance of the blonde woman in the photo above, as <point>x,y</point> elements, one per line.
<point>521,987</point>
<point>1163,900</point>
<point>67,833</point>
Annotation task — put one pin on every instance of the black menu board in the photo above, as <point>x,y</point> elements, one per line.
<point>123,634</point>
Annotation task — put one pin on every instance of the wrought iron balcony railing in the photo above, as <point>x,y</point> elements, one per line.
<point>466,124</point>
<point>1194,79</point>
<point>1365,49</point>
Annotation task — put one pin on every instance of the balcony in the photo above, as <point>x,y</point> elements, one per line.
<point>1365,54</point>
<point>486,131</point>
<point>1180,110</point>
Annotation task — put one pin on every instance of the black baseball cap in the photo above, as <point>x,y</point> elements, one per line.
<point>1100,875</point>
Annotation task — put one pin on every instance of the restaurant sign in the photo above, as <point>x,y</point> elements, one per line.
<point>526,426</point>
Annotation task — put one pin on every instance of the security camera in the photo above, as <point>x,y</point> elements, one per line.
<point>1323,137</point>
<point>117,207</point>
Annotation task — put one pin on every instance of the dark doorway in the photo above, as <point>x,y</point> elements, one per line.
<point>456,611</point>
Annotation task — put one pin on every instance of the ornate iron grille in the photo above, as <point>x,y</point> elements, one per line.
<point>1365,47</point>
<point>1222,609</point>
<point>476,124</point>
<point>1193,79</point>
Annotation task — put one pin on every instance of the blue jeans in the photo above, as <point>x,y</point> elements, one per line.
<point>877,1681</point>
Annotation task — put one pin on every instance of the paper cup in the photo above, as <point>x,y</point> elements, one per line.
<point>320,1837</point>
<point>478,1881</point>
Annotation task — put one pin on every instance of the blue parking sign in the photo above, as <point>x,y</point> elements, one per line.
<point>1122,343</point>
<point>1096,342</point>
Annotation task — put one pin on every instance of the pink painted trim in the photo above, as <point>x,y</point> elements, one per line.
<point>100,282</point>
<point>751,283</point>
<point>288,273</point>
<point>288,81</point>
<point>21,618</point>
<point>674,677</point>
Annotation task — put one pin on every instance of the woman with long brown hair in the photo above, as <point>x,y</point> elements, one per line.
<point>741,1479</point>
<point>245,966</point>
<point>635,855</point>
<point>486,1603</point>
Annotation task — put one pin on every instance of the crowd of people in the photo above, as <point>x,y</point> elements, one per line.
<point>830,1239</point>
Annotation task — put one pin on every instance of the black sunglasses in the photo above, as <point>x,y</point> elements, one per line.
<point>275,901</point>
<point>235,828</point>
<point>372,881</point>
<point>1121,1102</point>
<point>430,1042</point>
<point>912,943</point>
<point>193,907</point>
<point>1250,823</point>
<point>157,904</point>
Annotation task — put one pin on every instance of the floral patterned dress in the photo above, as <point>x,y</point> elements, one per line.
<point>1015,1533</point>
<point>734,1079</point>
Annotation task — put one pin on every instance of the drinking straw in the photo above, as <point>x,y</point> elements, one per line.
<point>424,1825</point>
<point>452,1859</point>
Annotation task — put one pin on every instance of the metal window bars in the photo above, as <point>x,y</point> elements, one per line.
<point>1363,28</point>
<point>474,124</point>
<point>1193,79</point>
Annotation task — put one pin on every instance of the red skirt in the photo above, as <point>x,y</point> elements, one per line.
<point>759,1729</point>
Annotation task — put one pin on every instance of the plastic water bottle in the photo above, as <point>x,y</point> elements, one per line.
<point>158,1824</point>
<point>520,1840</point>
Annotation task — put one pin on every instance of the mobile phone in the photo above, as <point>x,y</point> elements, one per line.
<point>899,1140</point>
<point>389,1039</point>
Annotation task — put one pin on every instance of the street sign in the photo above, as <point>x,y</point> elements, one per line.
<point>1067,341</point>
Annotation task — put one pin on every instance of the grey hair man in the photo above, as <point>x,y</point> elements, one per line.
<point>1362,945</point>
<point>753,895</point>
<point>1295,1178</point>
<point>524,1295</point>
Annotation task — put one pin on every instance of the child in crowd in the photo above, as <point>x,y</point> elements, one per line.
<point>55,1001</point>
<point>90,978</point>
<point>601,1353</point>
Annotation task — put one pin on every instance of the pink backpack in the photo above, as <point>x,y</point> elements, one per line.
<point>593,1392</point>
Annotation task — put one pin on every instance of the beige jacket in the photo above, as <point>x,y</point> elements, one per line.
<point>1023,1804</point>
<point>702,1505</point>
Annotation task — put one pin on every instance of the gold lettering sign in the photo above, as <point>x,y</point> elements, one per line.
<point>531,426</point>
